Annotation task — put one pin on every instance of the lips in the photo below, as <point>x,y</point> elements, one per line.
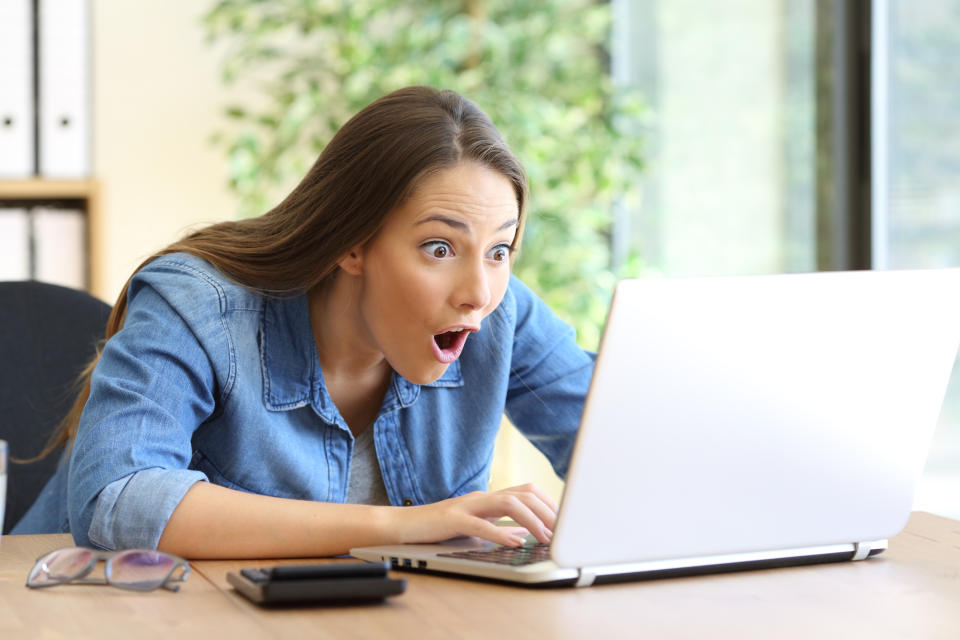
<point>447,345</point>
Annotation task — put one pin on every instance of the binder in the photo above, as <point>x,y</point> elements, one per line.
<point>16,89</point>
<point>64,88</point>
<point>60,246</point>
<point>14,244</point>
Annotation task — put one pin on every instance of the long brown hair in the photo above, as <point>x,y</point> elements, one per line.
<point>372,164</point>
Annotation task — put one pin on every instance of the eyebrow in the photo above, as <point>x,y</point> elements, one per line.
<point>463,226</point>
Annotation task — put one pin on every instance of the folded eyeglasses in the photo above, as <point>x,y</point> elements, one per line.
<point>135,569</point>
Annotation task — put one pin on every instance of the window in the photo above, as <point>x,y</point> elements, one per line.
<point>915,187</point>
<point>797,135</point>
<point>729,185</point>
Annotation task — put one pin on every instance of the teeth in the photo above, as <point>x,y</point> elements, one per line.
<point>456,330</point>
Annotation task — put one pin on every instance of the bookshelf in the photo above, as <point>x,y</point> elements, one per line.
<point>84,193</point>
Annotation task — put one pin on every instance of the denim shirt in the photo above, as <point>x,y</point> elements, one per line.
<point>210,381</point>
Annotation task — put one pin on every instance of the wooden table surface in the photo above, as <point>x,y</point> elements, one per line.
<point>910,591</point>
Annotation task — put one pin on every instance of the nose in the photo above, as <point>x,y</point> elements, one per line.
<point>473,286</point>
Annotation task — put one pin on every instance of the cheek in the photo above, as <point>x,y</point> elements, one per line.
<point>398,295</point>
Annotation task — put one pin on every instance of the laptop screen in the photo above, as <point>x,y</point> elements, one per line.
<point>734,414</point>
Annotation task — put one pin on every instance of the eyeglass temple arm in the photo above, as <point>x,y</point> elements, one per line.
<point>172,582</point>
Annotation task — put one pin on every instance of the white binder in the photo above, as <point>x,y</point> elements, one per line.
<point>60,246</point>
<point>16,89</point>
<point>14,244</point>
<point>64,96</point>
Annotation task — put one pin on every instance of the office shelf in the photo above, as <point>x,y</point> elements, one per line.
<point>39,191</point>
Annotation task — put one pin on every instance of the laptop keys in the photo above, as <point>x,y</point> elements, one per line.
<point>511,556</point>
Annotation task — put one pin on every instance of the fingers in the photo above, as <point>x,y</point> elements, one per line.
<point>474,514</point>
<point>529,513</point>
<point>506,536</point>
<point>534,489</point>
<point>531,508</point>
<point>526,505</point>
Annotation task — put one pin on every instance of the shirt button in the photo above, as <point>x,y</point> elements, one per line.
<point>407,502</point>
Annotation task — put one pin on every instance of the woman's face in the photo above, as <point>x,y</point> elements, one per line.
<point>439,265</point>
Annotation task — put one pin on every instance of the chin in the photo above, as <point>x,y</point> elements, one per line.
<point>424,376</point>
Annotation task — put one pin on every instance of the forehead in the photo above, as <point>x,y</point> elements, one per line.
<point>468,189</point>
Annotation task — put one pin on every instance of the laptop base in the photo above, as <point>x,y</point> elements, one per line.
<point>549,575</point>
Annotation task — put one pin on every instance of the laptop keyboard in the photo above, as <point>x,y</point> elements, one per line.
<point>512,556</point>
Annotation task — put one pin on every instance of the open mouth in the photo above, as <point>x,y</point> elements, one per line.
<point>448,345</point>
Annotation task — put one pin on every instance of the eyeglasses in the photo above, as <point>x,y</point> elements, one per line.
<point>136,569</point>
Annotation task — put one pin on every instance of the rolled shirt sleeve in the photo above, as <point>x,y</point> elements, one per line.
<point>158,379</point>
<point>132,512</point>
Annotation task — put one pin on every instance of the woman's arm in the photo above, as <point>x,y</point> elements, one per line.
<point>216,522</point>
<point>549,378</point>
<point>157,380</point>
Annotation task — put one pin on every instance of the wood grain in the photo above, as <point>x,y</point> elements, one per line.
<point>910,591</point>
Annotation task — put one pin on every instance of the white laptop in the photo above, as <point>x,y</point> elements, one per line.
<point>740,422</point>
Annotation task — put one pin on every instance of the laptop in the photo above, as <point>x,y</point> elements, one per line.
<point>738,423</point>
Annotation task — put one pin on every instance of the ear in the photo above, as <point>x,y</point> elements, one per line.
<point>352,261</point>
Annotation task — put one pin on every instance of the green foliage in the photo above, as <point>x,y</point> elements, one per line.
<point>539,68</point>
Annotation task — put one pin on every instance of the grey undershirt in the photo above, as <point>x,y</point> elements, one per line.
<point>366,481</point>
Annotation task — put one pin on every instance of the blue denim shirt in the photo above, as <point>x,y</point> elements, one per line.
<point>209,381</point>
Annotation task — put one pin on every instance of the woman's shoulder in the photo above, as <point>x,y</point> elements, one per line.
<point>191,279</point>
<point>517,297</point>
<point>520,303</point>
<point>529,317</point>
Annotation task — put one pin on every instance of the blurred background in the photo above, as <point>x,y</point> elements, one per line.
<point>662,137</point>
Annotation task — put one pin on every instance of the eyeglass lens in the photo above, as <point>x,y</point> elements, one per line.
<point>140,569</point>
<point>64,564</point>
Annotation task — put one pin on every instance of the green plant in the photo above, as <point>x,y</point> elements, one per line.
<point>539,68</point>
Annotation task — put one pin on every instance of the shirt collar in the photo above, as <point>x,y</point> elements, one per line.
<point>292,377</point>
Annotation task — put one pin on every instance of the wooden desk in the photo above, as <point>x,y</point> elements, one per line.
<point>911,591</point>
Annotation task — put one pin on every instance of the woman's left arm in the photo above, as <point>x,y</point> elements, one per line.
<point>550,376</point>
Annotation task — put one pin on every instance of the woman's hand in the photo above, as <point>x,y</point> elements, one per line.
<point>216,522</point>
<point>474,514</point>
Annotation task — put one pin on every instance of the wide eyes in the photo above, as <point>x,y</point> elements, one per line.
<point>437,249</point>
<point>440,250</point>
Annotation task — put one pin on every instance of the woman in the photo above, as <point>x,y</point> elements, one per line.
<point>331,374</point>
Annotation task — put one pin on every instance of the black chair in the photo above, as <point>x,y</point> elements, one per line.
<point>48,334</point>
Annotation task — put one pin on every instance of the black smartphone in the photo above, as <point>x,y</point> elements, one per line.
<point>326,571</point>
<point>317,583</point>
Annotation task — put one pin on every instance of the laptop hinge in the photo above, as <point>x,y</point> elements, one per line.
<point>861,550</point>
<point>586,578</point>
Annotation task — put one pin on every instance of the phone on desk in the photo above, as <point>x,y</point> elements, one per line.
<point>329,583</point>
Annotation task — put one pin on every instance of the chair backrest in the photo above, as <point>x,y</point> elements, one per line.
<point>48,333</point>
